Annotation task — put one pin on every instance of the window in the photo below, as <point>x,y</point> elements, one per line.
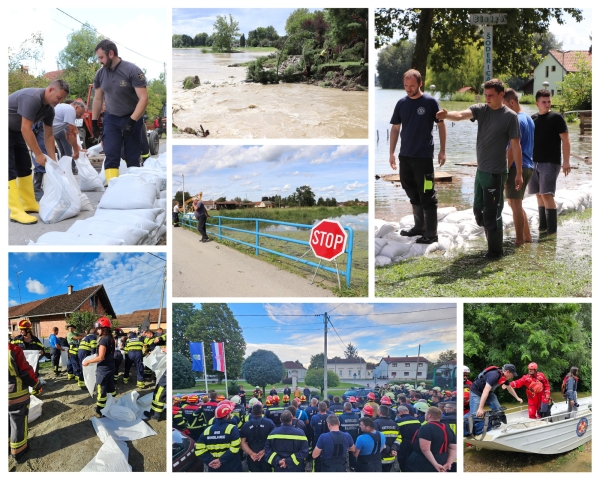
<point>554,68</point>
<point>341,374</point>
<point>406,374</point>
<point>420,374</point>
<point>393,374</point>
<point>559,92</point>
<point>552,92</point>
<point>407,364</point>
<point>547,68</point>
<point>394,364</point>
<point>420,364</point>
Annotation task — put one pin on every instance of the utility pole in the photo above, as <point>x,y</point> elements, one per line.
<point>162,295</point>
<point>325,320</point>
<point>183,192</point>
<point>417,373</point>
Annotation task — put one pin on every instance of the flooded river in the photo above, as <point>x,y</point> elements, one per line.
<point>230,108</point>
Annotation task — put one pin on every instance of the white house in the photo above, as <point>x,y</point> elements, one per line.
<point>294,369</point>
<point>349,369</point>
<point>556,66</point>
<point>401,368</point>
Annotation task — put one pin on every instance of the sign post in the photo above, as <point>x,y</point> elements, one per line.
<point>488,20</point>
<point>328,241</point>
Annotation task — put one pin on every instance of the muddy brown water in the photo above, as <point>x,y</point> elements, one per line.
<point>231,108</point>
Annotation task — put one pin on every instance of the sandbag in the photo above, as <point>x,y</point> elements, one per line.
<point>380,261</point>
<point>148,213</point>
<point>117,216</point>
<point>159,163</point>
<point>71,238</point>
<point>89,375</point>
<point>394,249</point>
<point>129,192</point>
<point>122,171</point>
<point>61,198</point>
<point>161,217</point>
<point>32,357</point>
<point>157,176</point>
<point>89,180</point>
<point>384,230</point>
<point>35,408</point>
<point>112,457</point>
<point>379,244</point>
<point>161,203</point>
<point>129,234</point>
<point>65,164</point>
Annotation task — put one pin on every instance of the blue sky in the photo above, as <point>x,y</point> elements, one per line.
<point>133,281</point>
<point>375,329</point>
<point>134,30</point>
<point>198,20</point>
<point>339,171</point>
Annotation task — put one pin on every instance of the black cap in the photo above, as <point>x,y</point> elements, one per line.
<point>509,367</point>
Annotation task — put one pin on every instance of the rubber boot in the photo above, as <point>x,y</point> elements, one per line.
<point>419,228</point>
<point>543,221</point>
<point>551,220</point>
<point>25,185</point>
<point>38,180</point>
<point>140,385</point>
<point>494,241</point>
<point>110,174</point>
<point>431,223</point>
<point>17,214</point>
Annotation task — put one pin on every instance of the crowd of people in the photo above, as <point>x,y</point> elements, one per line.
<point>405,428</point>
<point>109,345</point>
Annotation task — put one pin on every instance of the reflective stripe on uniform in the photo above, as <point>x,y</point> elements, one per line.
<point>287,437</point>
<point>270,460</point>
<point>293,457</point>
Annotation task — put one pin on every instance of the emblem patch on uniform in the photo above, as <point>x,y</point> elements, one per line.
<point>421,111</point>
<point>582,427</point>
<point>141,76</point>
<point>123,83</point>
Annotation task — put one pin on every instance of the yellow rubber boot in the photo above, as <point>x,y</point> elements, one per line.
<point>110,174</point>
<point>17,214</point>
<point>27,195</point>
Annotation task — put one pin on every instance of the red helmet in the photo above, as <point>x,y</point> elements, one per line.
<point>275,399</point>
<point>303,398</point>
<point>371,396</point>
<point>223,410</point>
<point>532,366</point>
<point>467,396</point>
<point>385,401</point>
<point>103,322</point>
<point>352,400</point>
<point>286,398</point>
<point>220,398</point>
<point>368,411</point>
<point>24,324</point>
<point>192,399</point>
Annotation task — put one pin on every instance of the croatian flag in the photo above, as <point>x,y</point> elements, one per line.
<point>218,356</point>
<point>197,357</point>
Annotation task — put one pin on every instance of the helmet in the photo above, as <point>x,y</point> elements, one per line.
<point>536,387</point>
<point>204,398</point>
<point>227,402</point>
<point>192,399</point>
<point>466,396</point>
<point>286,398</point>
<point>367,410</point>
<point>268,403</point>
<point>103,322</point>
<point>257,387</point>
<point>220,398</point>
<point>303,398</point>
<point>454,393</point>
<point>532,366</point>
<point>371,396</point>
<point>448,393</point>
<point>223,410</point>
<point>270,399</point>
<point>437,389</point>
<point>466,369</point>
<point>352,400</point>
<point>184,398</point>
<point>235,399</point>
<point>385,401</point>
<point>276,398</point>
<point>24,324</point>
<point>253,401</point>
<point>175,400</point>
<point>421,406</point>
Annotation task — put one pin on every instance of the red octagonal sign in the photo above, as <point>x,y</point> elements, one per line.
<point>328,239</point>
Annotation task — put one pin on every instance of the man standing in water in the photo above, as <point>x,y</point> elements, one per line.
<point>416,113</point>
<point>496,126</point>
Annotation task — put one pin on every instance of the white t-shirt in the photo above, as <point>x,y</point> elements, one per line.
<point>64,114</point>
<point>176,209</point>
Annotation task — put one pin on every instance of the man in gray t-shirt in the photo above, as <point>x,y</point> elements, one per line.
<point>25,107</point>
<point>497,125</point>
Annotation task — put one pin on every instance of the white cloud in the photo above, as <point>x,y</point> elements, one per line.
<point>12,303</point>
<point>35,286</point>
<point>355,185</point>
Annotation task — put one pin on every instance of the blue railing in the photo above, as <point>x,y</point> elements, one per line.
<point>191,222</point>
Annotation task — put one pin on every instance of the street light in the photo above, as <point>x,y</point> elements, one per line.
<point>19,286</point>
<point>545,85</point>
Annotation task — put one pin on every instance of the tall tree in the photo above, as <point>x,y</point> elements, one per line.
<point>348,26</point>
<point>187,40</point>
<point>184,314</point>
<point>30,51</point>
<point>447,357</point>
<point>350,351</point>
<point>468,74</point>
<point>392,62</point>
<point>577,86</point>
<point>200,39</point>
<point>157,96</point>
<point>316,378</point>
<point>305,196</point>
<point>183,377</point>
<point>263,368</point>
<point>242,41</point>
<point>316,361</point>
<point>294,22</point>
<point>224,33</point>
<point>450,30</point>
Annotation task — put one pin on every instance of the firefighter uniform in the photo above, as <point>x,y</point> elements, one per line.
<point>392,443</point>
<point>407,427</point>
<point>220,441</point>
<point>178,421</point>
<point>256,431</point>
<point>34,344</point>
<point>274,414</point>
<point>286,443</point>
<point>134,356</point>
<point>369,461</point>
<point>20,377</point>
<point>350,423</point>
<point>105,369</point>
<point>159,396</point>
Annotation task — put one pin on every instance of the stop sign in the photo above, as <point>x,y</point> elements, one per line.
<point>328,239</point>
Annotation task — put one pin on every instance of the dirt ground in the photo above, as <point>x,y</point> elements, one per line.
<point>63,439</point>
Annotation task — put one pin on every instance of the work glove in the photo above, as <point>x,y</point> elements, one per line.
<point>37,390</point>
<point>128,128</point>
<point>95,129</point>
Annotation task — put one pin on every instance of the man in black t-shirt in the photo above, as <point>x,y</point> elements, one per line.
<point>482,389</point>
<point>437,452</point>
<point>416,114</point>
<point>550,132</point>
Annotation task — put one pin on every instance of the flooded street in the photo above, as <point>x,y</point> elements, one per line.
<point>230,108</point>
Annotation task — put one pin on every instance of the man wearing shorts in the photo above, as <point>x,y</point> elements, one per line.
<point>416,114</point>
<point>496,126</point>
<point>550,131</point>
<point>514,195</point>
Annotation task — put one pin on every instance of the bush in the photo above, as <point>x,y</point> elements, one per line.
<point>463,97</point>
<point>191,82</point>
<point>257,73</point>
<point>233,388</point>
<point>330,75</point>
<point>287,381</point>
<point>527,99</point>
<point>288,74</point>
<point>183,377</point>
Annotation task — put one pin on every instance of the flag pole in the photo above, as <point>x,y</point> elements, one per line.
<point>204,363</point>
<point>225,368</point>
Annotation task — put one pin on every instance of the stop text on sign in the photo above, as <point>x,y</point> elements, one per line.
<point>328,239</point>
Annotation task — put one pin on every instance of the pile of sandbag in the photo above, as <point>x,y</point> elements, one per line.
<point>132,210</point>
<point>456,229</point>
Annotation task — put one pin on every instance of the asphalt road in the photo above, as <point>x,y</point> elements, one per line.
<point>215,270</point>
<point>19,234</point>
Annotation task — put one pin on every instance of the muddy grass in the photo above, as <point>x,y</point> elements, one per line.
<point>63,439</point>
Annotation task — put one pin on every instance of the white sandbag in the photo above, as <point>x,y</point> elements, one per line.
<point>65,164</point>
<point>122,171</point>
<point>89,180</point>
<point>64,358</point>
<point>163,194</point>
<point>443,212</point>
<point>448,229</point>
<point>124,431</point>
<point>379,244</point>
<point>384,230</point>
<point>117,216</point>
<point>35,408</point>
<point>160,218</point>
<point>129,234</point>
<point>460,216</point>
<point>471,228</point>
<point>148,213</point>
<point>89,375</point>
<point>161,203</point>
<point>112,457</point>
<point>32,357</point>
<point>129,192</point>
<point>95,150</point>
<point>156,361</point>
<point>144,403</point>
<point>380,261</point>
<point>394,249</point>
<point>69,238</point>
<point>61,199</point>
<point>407,221</point>
<point>118,412</point>
<point>159,163</point>
<point>157,176</point>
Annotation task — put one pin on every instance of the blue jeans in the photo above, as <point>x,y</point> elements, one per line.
<point>115,145</point>
<point>492,402</point>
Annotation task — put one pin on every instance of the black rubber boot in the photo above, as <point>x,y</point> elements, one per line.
<point>431,223</point>
<point>38,178</point>
<point>543,222</point>
<point>419,228</point>
<point>494,241</point>
<point>551,220</point>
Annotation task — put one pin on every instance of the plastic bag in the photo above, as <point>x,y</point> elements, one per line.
<point>61,199</point>
<point>89,180</point>
<point>65,164</point>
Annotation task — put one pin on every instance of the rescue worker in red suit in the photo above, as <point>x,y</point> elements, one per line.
<point>538,390</point>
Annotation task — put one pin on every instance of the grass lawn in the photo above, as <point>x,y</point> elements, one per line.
<point>339,390</point>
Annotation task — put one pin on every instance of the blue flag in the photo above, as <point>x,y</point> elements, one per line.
<point>196,352</point>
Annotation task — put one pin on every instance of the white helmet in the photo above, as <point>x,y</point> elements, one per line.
<point>466,369</point>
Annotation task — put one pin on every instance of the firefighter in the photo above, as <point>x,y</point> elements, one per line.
<point>372,403</point>
<point>73,365</point>
<point>369,445</point>
<point>408,425</point>
<point>178,421</point>
<point>385,401</point>
<point>105,382</point>
<point>466,374</point>
<point>286,401</point>
<point>336,407</point>
<point>257,393</point>
<point>286,447</point>
<point>274,411</point>
<point>390,431</point>
<point>537,389</point>
<point>27,340</point>
<point>350,423</point>
<point>134,356</point>
<point>333,446</point>
<point>20,377</point>
<point>254,434</point>
<point>87,347</point>
<point>238,410</point>
<point>449,419</point>
<point>219,445</point>
<point>159,397</point>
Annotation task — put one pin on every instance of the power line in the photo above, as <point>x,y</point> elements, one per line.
<point>138,259</point>
<point>338,335</point>
<point>160,258</point>
<point>71,273</point>
<point>393,313</point>
<point>91,27</point>
<point>153,288</point>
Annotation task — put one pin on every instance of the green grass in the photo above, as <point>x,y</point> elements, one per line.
<point>536,270</point>
<point>303,215</point>
<point>339,390</point>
